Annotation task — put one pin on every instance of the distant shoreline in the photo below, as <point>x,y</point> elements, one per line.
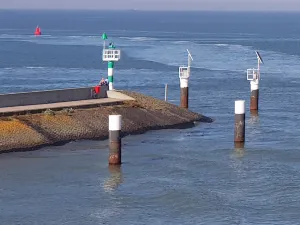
<point>153,11</point>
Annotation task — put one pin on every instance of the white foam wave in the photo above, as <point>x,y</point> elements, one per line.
<point>47,35</point>
<point>25,37</point>
<point>81,37</point>
<point>222,45</point>
<point>206,56</point>
<point>7,68</point>
<point>219,57</point>
<point>181,42</point>
<point>35,67</point>
<point>12,36</point>
<point>67,40</point>
<point>50,39</point>
<point>139,38</point>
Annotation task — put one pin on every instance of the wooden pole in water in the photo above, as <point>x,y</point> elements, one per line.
<point>239,121</point>
<point>115,123</point>
<point>166,92</point>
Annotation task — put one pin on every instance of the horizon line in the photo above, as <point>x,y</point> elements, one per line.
<point>152,10</point>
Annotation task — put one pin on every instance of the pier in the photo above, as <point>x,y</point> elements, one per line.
<point>29,127</point>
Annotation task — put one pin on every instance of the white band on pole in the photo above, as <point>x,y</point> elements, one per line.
<point>115,122</point>
<point>239,107</point>
<point>254,85</point>
<point>110,86</point>
<point>184,82</point>
<point>110,71</point>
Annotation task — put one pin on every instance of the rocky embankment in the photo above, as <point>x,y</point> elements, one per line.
<point>31,131</point>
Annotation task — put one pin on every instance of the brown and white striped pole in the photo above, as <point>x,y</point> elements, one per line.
<point>184,93</point>
<point>254,93</point>
<point>184,74</point>
<point>239,121</point>
<point>254,76</point>
<point>115,123</point>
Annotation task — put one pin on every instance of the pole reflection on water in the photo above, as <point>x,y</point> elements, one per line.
<point>115,179</point>
<point>254,117</point>
<point>239,150</point>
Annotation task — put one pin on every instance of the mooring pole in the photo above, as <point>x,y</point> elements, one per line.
<point>254,76</point>
<point>184,75</point>
<point>166,92</point>
<point>184,93</point>
<point>115,123</point>
<point>254,94</point>
<point>239,121</point>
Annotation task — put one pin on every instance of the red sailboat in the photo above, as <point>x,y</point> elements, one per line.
<point>38,31</point>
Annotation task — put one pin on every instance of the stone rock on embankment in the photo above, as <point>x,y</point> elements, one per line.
<point>31,131</point>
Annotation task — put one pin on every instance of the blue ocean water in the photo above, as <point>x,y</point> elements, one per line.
<point>192,176</point>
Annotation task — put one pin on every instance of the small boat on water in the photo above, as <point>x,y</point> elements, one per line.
<point>38,31</point>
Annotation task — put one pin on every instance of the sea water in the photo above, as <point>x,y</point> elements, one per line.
<point>192,176</point>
